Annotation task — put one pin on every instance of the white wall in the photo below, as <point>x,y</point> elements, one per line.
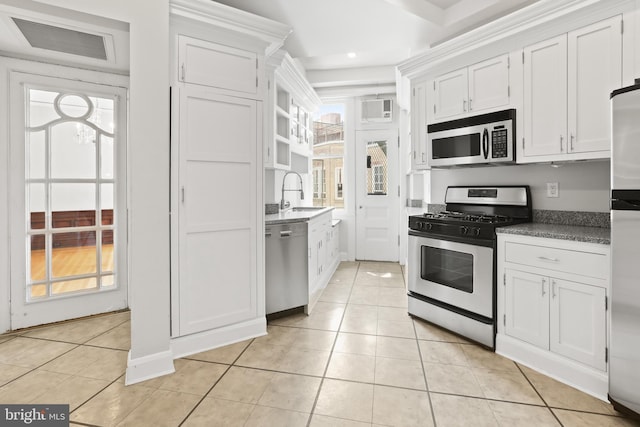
<point>584,186</point>
<point>148,164</point>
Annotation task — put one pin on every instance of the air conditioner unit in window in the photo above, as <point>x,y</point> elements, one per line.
<point>377,110</point>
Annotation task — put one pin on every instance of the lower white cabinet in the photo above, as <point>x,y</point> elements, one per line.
<point>562,316</point>
<point>323,254</point>
<point>552,308</point>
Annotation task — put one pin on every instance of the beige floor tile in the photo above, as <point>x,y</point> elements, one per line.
<point>452,379</point>
<point>291,392</point>
<point>79,331</point>
<point>242,385</point>
<point>515,415</point>
<point>10,373</point>
<point>28,388</point>
<point>392,328</point>
<point>559,395</point>
<point>358,325</point>
<point>304,361</point>
<point>397,348</point>
<point>353,367</point>
<point>313,339</point>
<point>163,409</point>
<point>118,338</point>
<point>31,353</point>
<point>342,399</point>
<point>395,314</point>
<point>359,311</point>
<point>427,331</point>
<point>112,405</point>
<point>399,373</point>
<point>364,295</point>
<point>227,354</point>
<point>400,407</point>
<point>325,316</point>
<point>583,419</point>
<point>191,376</point>
<point>324,421</point>
<point>336,295</point>
<point>219,413</point>
<point>442,352</point>
<point>278,335</point>
<point>355,344</point>
<point>263,416</point>
<point>90,362</point>
<point>263,356</point>
<point>392,297</point>
<point>457,411</point>
<point>506,385</point>
<point>479,357</point>
<point>73,391</point>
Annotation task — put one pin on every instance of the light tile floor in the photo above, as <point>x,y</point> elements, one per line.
<point>357,360</point>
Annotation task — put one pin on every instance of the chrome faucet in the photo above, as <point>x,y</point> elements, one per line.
<point>282,202</point>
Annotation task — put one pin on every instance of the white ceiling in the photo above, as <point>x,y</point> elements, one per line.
<point>380,32</point>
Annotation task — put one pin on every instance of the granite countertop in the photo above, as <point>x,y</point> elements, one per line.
<point>557,231</point>
<point>289,215</point>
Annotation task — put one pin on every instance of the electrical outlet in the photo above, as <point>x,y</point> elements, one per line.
<point>552,189</point>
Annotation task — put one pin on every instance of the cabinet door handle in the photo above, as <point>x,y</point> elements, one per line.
<point>182,71</point>
<point>464,105</point>
<point>470,104</point>
<point>543,282</point>
<point>544,258</point>
<point>422,157</point>
<point>553,288</point>
<point>571,138</point>
<point>561,139</point>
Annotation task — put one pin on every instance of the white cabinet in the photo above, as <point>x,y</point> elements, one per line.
<point>324,253</point>
<point>470,90</point>
<point>552,307</point>
<point>236,70</point>
<point>567,82</point>
<point>419,126</point>
<point>216,189</point>
<point>289,127</point>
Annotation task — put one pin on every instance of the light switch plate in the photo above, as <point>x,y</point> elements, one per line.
<point>552,189</point>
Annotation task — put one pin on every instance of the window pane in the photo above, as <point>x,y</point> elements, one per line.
<point>75,200</point>
<point>106,203</point>
<point>41,109</point>
<point>328,156</point>
<point>73,151</point>
<point>58,288</point>
<point>74,253</point>
<point>376,168</point>
<point>36,147</point>
<point>38,260</point>
<point>107,250</point>
<point>108,281</point>
<point>36,207</point>
<point>106,151</point>
<point>37,291</point>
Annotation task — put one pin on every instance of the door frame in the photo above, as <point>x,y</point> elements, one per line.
<point>390,134</point>
<point>9,67</point>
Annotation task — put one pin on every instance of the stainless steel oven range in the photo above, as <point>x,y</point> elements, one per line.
<point>452,258</point>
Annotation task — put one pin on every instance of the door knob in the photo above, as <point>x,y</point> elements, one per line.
<point>360,206</point>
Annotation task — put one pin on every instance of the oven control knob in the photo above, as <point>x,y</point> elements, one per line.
<point>464,230</point>
<point>429,226</point>
<point>476,231</point>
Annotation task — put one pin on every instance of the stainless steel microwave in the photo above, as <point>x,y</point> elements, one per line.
<point>477,140</point>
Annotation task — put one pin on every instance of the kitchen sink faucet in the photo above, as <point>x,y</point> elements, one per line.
<point>284,204</point>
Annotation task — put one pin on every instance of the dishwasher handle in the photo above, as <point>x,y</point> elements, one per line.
<point>285,233</point>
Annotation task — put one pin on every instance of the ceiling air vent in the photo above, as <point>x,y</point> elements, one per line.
<point>63,40</point>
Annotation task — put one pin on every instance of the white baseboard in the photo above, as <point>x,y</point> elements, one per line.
<point>208,340</point>
<point>148,367</point>
<point>567,371</point>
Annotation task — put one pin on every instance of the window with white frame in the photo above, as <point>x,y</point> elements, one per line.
<point>328,156</point>
<point>338,182</point>
<point>378,179</point>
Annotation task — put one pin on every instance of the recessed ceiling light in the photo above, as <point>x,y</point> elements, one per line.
<point>351,55</point>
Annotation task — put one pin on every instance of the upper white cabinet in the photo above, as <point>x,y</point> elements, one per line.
<point>419,126</point>
<point>237,71</point>
<point>479,87</point>
<point>290,102</point>
<point>567,82</point>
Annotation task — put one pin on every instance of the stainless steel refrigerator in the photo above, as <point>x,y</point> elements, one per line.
<point>624,354</point>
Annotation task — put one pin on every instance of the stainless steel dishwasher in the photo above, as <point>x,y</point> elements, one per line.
<point>286,266</point>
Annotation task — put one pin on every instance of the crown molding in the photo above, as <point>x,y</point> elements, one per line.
<point>515,24</point>
<point>212,13</point>
<point>289,73</point>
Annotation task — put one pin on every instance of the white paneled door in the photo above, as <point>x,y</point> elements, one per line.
<point>217,256</point>
<point>377,195</point>
<point>68,199</point>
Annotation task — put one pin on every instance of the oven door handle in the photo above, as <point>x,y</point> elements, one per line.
<point>485,143</point>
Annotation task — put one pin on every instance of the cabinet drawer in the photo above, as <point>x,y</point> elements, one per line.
<point>582,263</point>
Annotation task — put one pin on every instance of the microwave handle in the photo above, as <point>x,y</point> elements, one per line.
<point>485,143</point>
